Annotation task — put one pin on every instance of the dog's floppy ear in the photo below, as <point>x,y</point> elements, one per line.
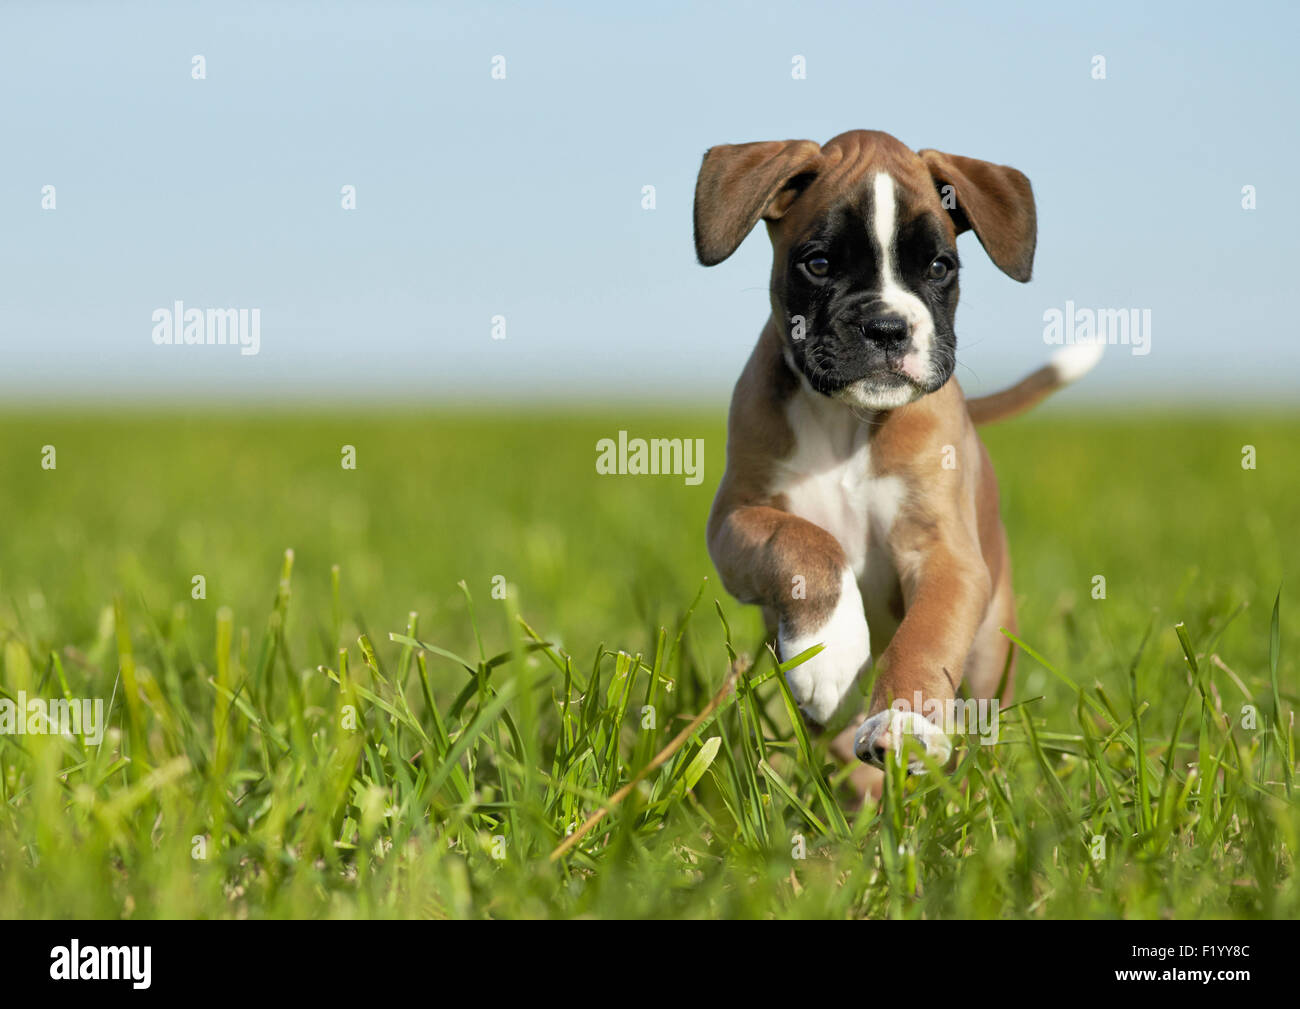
<point>994,201</point>
<point>741,183</point>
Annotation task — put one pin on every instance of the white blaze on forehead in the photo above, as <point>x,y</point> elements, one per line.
<point>884,219</point>
<point>884,214</point>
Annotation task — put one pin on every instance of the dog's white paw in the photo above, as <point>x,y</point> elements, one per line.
<point>883,733</point>
<point>821,683</point>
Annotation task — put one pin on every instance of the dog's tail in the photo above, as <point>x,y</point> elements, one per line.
<point>1067,364</point>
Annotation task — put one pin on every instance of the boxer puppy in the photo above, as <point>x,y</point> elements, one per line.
<point>857,494</point>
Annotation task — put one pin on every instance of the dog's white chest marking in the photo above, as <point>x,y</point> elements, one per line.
<point>827,480</point>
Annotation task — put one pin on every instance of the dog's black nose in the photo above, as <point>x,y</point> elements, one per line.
<point>886,330</point>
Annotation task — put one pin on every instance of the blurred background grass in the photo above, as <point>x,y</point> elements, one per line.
<point>1158,504</point>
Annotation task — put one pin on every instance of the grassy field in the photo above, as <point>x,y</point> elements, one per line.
<point>282,747</point>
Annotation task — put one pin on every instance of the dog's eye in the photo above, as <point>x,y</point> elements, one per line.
<point>818,266</point>
<point>938,270</point>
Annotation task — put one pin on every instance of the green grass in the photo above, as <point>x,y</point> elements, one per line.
<point>513,720</point>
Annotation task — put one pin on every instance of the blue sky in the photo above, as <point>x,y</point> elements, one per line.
<point>522,197</point>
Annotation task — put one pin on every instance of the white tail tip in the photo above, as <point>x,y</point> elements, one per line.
<point>1075,360</point>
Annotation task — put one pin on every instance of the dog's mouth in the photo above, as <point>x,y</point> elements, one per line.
<point>830,379</point>
<point>888,377</point>
<point>890,381</point>
<point>881,390</point>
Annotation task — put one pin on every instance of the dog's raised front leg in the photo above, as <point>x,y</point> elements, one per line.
<point>797,570</point>
<point>946,590</point>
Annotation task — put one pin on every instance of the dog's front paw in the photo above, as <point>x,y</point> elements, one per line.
<point>882,734</point>
<point>821,684</point>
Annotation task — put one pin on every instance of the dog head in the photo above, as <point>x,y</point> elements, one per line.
<point>864,239</point>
